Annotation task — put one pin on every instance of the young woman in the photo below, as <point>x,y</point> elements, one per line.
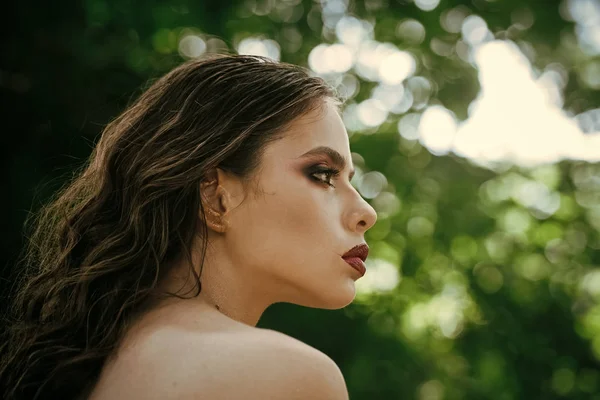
<point>223,189</point>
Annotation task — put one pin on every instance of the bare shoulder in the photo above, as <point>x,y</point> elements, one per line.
<point>304,371</point>
<point>249,364</point>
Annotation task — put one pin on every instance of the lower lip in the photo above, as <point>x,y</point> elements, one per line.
<point>357,264</point>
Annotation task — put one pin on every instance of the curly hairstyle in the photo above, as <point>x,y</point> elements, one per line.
<point>100,246</point>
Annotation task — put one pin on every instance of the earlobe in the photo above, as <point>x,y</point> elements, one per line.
<point>215,220</point>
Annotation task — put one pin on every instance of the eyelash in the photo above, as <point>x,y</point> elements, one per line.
<point>330,172</point>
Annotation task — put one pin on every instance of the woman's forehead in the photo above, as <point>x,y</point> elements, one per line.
<point>316,128</point>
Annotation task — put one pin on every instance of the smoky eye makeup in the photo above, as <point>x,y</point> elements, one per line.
<point>318,167</point>
<point>332,156</point>
<point>321,173</point>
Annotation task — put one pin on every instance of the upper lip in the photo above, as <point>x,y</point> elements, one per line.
<point>361,251</point>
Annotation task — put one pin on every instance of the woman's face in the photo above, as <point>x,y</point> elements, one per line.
<point>289,238</point>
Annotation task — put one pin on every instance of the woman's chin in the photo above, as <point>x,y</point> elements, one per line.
<point>332,299</point>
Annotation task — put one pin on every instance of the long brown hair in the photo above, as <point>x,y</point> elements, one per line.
<point>98,249</point>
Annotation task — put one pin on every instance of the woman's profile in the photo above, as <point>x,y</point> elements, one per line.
<point>224,188</point>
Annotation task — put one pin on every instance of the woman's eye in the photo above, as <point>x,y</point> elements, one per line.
<point>329,174</point>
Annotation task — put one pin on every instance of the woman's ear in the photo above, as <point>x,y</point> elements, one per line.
<point>216,200</point>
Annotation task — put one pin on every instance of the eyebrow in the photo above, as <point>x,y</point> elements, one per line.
<point>336,158</point>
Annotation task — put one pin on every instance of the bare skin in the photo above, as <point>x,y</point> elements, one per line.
<point>281,244</point>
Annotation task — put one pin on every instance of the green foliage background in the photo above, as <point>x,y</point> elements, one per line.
<point>526,286</point>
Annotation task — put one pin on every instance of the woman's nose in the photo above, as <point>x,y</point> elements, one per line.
<point>362,217</point>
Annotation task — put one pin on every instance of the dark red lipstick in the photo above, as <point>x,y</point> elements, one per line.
<point>356,257</point>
